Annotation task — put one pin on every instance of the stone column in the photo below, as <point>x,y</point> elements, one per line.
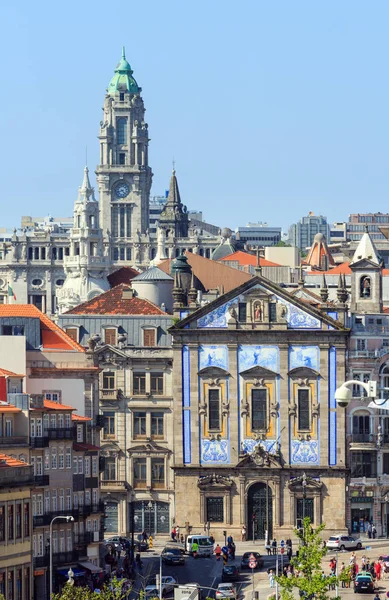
<point>284,403</point>
<point>242,497</point>
<point>194,403</point>
<point>234,417</point>
<point>323,400</point>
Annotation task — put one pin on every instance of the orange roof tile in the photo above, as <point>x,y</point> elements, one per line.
<point>53,337</point>
<point>113,303</point>
<point>5,373</point>
<point>80,418</point>
<point>343,269</point>
<point>50,405</point>
<point>122,275</point>
<point>212,274</point>
<point>9,461</point>
<point>9,408</point>
<point>245,258</point>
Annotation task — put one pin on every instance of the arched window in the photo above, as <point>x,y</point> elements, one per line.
<point>122,130</point>
<point>384,382</point>
<point>201,252</point>
<point>365,287</point>
<point>361,425</point>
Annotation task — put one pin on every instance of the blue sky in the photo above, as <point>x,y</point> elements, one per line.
<point>270,109</point>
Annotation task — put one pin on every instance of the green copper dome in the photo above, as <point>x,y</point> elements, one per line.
<point>123,80</point>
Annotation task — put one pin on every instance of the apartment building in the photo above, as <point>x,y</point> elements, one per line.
<point>15,528</point>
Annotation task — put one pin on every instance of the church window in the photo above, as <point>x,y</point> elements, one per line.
<point>215,513</point>
<point>78,220</point>
<point>108,380</point>
<point>36,253</point>
<point>122,158</point>
<point>242,308</point>
<point>122,254</point>
<point>122,130</point>
<point>272,312</point>
<point>54,253</point>
<point>128,251</point>
<point>77,249</point>
<point>365,287</point>
<point>139,383</point>
<point>214,421</point>
<point>259,410</point>
<point>43,253</point>
<point>116,254</point>
<point>304,417</point>
<point>30,254</point>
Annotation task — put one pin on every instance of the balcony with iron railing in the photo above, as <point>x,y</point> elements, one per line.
<point>110,394</point>
<point>41,480</point>
<point>114,484</point>
<point>39,442</point>
<point>60,433</point>
<point>368,438</point>
<point>13,440</point>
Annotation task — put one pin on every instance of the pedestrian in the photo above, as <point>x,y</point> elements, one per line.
<point>274,546</point>
<point>229,539</point>
<point>363,563</point>
<point>144,535</point>
<point>289,548</point>
<point>377,596</point>
<point>218,552</point>
<point>369,531</point>
<point>243,532</point>
<point>268,547</point>
<point>374,532</point>
<point>178,532</point>
<point>195,549</point>
<point>342,574</point>
<point>138,561</point>
<point>352,558</point>
<point>271,578</point>
<point>173,534</point>
<point>377,568</point>
<point>233,550</point>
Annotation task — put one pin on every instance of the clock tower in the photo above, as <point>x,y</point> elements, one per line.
<point>123,175</point>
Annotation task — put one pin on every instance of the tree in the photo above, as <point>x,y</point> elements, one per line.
<point>308,576</point>
<point>114,590</point>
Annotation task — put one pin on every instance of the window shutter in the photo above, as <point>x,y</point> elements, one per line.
<point>149,337</point>
<point>110,336</point>
<point>72,332</point>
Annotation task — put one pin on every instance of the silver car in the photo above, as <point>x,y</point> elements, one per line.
<point>344,542</point>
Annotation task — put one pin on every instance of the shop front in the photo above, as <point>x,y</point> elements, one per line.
<point>361,513</point>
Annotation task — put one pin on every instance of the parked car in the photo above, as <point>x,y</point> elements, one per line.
<point>364,583</point>
<point>344,542</point>
<point>167,586</point>
<point>244,563</point>
<point>230,573</point>
<point>226,590</point>
<point>116,540</point>
<point>173,554</point>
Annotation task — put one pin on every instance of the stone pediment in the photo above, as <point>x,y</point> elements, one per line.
<point>258,372</point>
<point>303,373</point>
<point>259,457</point>
<point>214,481</point>
<point>296,484</point>
<point>109,354</point>
<point>148,448</point>
<point>110,449</point>
<point>365,263</point>
<point>213,372</point>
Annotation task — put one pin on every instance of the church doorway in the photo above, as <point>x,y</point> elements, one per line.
<point>260,511</point>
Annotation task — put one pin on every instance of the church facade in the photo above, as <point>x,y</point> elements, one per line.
<point>35,262</point>
<point>258,434</point>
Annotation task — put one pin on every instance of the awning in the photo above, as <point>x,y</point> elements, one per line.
<point>91,567</point>
<point>77,572</point>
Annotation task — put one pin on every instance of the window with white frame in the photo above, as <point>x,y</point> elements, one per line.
<point>87,466</point>
<point>54,395</point>
<point>80,436</point>
<point>68,458</point>
<point>39,466</point>
<point>75,465</point>
<point>87,497</point>
<point>358,391</point>
<point>61,499</point>
<point>68,420</point>
<point>68,499</point>
<point>95,466</point>
<point>361,344</point>
<point>53,458</point>
<point>61,458</point>
<point>80,465</point>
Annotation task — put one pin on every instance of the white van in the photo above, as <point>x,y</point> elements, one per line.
<point>204,542</point>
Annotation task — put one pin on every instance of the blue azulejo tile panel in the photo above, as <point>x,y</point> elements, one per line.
<point>185,376</point>
<point>218,317</point>
<point>305,452</point>
<point>186,436</point>
<point>304,356</point>
<point>215,451</point>
<point>332,421</point>
<point>249,444</point>
<point>298,318</point>
<point>258,356</point>
<point>213,356</point>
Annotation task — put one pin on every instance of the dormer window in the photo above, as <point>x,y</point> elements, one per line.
<point>121,96</point>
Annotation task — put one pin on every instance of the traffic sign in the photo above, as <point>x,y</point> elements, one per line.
<point>282,544</point>
<point>387,594</point>
<point>282,550</point>
<point>252,564</point>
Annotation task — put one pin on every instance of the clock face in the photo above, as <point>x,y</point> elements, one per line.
<point>122,190</point>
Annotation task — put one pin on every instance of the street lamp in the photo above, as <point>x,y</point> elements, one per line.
<point>68,519</point>
<point>150,506</point>
<point>71,576</point>
<point>304,484</point>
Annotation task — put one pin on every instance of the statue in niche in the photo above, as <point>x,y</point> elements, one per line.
<point>258,312</point>
<point>365,286</point>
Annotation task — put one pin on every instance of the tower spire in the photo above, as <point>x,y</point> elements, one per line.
<point>123,52</point>
<point>85,191</point>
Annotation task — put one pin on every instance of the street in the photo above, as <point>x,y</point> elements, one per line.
<point>207,571</point>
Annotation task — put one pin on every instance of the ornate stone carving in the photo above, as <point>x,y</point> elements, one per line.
<point>213,479</point>
<point>245,409</point>
<point>292,410</point>
<point>263,458</point>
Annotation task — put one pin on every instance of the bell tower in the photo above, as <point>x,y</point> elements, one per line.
<point>366,278</point>
<point>123,174</point>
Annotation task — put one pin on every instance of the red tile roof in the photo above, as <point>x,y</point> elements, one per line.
<point>5,373</point>
<point>245,258</point>
<point>122,275</point>
<point>53,337</point>
<point>9,461</point>
<point>50,405</point>
<point>80,418</point>
<point>9,408</point>
<point>113,303</point>
<point>343,269</point>
<point>212,274</point>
